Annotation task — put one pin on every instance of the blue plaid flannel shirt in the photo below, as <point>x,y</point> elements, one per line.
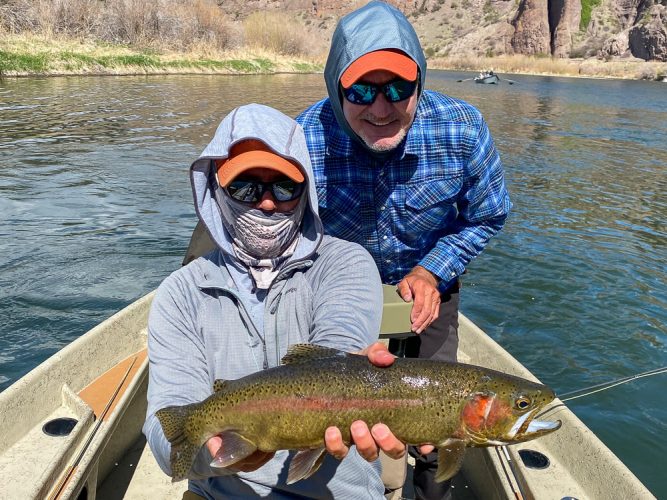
<point>435,202</point>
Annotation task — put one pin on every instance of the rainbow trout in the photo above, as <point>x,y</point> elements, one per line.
<point>449,405</point>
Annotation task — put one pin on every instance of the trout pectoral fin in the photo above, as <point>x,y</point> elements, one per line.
<point>234,448</point>
<point>450,457</point>
<point>304,464</point>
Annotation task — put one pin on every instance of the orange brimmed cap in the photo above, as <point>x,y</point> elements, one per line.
<point>386,59</point>
<point>252,154</point>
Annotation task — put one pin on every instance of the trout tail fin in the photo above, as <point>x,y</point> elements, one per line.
<point>173,420</point>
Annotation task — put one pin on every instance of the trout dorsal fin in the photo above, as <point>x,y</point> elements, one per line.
<point>219,385</point>
<point>299,353</point>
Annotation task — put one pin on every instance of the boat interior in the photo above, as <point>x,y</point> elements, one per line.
<point>72,427</point>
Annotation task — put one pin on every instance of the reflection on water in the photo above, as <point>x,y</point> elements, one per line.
<point>96,210</point>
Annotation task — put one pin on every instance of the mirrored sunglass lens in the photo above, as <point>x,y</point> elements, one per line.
<point>399,90</point>
<point>286,190</point>
<point>361,93</point>
<point>245,191</point>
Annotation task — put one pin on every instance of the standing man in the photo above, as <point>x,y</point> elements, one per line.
<point>410,174</point>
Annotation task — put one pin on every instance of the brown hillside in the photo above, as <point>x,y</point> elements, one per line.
<point>613,28</point>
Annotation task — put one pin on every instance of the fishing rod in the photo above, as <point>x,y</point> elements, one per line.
<point>519,493</point>
<point>587,391</point>
<point>70,470</point>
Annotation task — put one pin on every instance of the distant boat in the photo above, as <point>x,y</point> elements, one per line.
<point>487,77</point>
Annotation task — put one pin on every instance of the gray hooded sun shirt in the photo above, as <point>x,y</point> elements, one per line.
<point>208,322</point>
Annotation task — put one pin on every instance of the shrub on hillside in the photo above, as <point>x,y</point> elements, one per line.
<point>276,32</point>
<point>176,24</point>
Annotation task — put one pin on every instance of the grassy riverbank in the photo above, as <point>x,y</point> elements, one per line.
<point>39,55</point>
<point>632,69</point>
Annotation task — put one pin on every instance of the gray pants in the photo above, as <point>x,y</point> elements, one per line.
<point>439,341</point>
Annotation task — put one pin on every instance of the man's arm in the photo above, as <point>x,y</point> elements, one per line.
<point>178,372</point>
<point>483,207</point>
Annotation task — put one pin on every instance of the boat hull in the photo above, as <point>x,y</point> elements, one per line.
<point>490,79</point>
<point>118,459</point>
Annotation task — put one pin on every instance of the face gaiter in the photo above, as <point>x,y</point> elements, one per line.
<point>263,242</point>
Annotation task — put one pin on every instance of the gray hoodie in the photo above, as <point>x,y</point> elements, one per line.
<point>207,323</point>
<point>375,26</point>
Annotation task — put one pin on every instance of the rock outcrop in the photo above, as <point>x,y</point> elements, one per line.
<point>648,40</point>
<point>546,27</point>
<point>564,19</point>
<point>531,24</point>
<point>617,28</point>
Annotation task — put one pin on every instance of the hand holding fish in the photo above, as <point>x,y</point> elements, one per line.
<point>421,286</point>
<point>368,442</point>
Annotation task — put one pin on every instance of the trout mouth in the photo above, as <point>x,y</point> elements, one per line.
<point>527,427</point>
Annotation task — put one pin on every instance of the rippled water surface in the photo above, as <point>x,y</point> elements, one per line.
<point>96,210</point>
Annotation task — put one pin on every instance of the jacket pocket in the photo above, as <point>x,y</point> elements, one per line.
<point>425,194</point>
<point>430,207</point>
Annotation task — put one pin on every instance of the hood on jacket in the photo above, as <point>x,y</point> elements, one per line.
<point>373,27</point>
<point>284,137</point>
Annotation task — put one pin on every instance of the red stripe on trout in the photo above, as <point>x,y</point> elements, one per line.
<point>309,403</point>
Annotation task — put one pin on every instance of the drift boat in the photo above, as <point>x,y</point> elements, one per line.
<point>487,77</point>
<point>72,427</point>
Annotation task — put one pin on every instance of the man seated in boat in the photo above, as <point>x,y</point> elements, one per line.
<point>273,280</point>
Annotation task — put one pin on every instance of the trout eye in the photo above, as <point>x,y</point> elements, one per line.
<point>522,403</point>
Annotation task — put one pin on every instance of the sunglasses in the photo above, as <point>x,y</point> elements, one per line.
<point>394,91</point>
<point>251,191</point>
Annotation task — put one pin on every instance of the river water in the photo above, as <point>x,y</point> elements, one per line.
<point>96,209</point>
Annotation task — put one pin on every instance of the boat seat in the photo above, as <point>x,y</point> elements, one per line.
<point>395,325</point>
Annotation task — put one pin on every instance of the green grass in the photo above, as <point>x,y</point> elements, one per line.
<point>72,61</point>
<point>306,67</point>
<point>587,7</point>
<point>250,66</point>
<point>14,60</point>
<point>22,62</point>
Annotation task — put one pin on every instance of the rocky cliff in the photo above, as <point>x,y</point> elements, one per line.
<point>559,28</point>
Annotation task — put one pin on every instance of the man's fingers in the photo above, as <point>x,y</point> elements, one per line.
<point>387,441</point>
<point>333,441</point>
<point>418,308</point>
<point>404,290</point>
<point>379,355</point>
<point>425,449</point>
<point>429,313</point>
<point>363,440</point>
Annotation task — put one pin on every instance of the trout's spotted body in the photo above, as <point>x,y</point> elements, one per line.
<point>450,405</point>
